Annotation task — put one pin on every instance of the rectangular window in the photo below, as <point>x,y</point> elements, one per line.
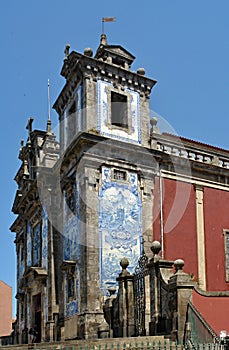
<point>226,244</point>
<point>119,175</point>
<point>71,289</point>
<point>119,111</point>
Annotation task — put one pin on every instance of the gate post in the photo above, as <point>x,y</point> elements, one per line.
<point>160,271</point>
<point>126,302</point>
<point>180,289</point>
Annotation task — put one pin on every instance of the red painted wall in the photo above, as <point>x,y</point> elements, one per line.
<point>216,213</point>
<point>179,222</point>
<point>214,310</point>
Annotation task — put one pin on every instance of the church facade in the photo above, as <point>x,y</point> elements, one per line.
<point>110,186</point>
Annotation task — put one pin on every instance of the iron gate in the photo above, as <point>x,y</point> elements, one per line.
<point>139,294</point>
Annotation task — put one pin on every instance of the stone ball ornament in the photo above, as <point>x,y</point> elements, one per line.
<point>124,263</point>
<point>156,247</point>
<point>179,264</point>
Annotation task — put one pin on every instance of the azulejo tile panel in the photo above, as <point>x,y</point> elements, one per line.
<point>71,230</point>
<point>44,237</point>
<point>72,248</point>
<point>36,245</point>
<point>29,245</point>
<point>104,108</point>
<point>21,262</point>
<point>70,242</point>
<point>120,225</point>
<point>71,308</point>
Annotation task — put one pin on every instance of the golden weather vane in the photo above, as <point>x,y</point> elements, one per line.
<point>107,19</point>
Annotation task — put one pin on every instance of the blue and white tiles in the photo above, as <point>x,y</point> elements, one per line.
<point>120,224</point>
<point>29,244</point>
<point>44,238</point>
<point>133,133</point>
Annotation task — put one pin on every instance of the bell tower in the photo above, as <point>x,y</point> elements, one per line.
<point>106,177</point>
<point>103,95</point>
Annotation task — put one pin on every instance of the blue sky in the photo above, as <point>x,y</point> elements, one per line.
<point>183,44</point>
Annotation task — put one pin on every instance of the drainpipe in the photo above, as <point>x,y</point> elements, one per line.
<point>161,213</point>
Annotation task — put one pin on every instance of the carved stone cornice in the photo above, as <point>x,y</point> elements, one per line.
<point>96,69</point>
<point>25,197</point>
<point>82,150</point>
<point>181,155</point>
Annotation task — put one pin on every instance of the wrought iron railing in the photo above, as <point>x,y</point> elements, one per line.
<point>201,334</point>
<point>139,295</point>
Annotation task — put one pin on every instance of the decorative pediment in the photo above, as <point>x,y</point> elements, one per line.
<point>68,264</point>
<point>120,51</point>
<point>35,273</point>
<point>117,54</point>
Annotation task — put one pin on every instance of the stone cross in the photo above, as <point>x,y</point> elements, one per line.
<point>29,125</point>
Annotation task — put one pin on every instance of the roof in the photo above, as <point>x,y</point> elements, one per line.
<point>5,284</point>
<point>195,142</point>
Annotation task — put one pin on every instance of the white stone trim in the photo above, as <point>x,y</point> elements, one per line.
<point>200,237</point>
<point>193,180</point>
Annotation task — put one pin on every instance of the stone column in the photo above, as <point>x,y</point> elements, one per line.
<point>180,288</point>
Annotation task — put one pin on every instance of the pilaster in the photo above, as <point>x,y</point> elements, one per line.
<point>200,236</point>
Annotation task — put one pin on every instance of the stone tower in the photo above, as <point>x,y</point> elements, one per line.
<point>106,174</point>
<point>88,204</point>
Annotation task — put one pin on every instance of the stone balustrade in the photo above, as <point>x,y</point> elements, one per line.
<point>193,154</point>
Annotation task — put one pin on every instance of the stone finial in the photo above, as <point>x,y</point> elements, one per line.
<point>153,123</point>
<point>156,248</point>
<point>88,52</point>
<point>112,290</point>
<point>141,71</point>
<point>66,51</point>
<point>179,264</point>
<point>26,169</point>
<point>21,144</point>
<point>103,40</point>
<point>124,263</point>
